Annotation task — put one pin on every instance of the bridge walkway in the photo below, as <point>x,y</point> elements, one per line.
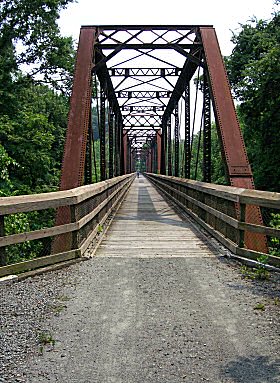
<point>155,305</point>
<point>146,226</point>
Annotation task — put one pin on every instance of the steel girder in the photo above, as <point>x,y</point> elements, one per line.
<point>73,162</point>
<point>187,142</point>
<point>111,144</point>
<point>146,72</point>
<point>102,136</point>
<point>169,148</point>
<point>176,142</point>
<point>206,130</point>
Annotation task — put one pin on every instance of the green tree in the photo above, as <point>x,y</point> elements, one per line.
<point>31,27</point>
<point>254,72</point>
<point>34,138</point>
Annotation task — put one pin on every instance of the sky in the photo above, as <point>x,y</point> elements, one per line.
<point>224,15</point>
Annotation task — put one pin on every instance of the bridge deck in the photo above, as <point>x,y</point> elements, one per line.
<point>155,306</point>
<point>146,226</point>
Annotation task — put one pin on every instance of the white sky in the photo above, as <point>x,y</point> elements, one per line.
<point>224,15</point>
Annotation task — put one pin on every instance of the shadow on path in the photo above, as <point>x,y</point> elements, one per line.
<point>253,369</point>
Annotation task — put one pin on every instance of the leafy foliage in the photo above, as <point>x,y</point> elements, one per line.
<point>31,27</point>
<point>274,242</point>
<point>254,72</point>
<point>36,65</point>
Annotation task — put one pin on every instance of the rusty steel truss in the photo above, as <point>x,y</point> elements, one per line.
<point>137,76</point>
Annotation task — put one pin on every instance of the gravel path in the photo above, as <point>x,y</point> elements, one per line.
<point>142,318</point>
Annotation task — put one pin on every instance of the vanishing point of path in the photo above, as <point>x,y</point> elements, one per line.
<point>156,305</point>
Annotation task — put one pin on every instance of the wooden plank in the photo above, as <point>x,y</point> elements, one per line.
<point>250,254</point>
<point>25,203</point>
<point>38,262</point>
<point>146,227</point>
<point>37,234</point>
<point>246,196</point>
<point>259,229</point>
<point>228,192</point>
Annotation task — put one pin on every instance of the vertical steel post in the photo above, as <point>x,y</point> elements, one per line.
<point>122,154</point>
<point>116,146</point>
<point>111,144</point>
<point>169,149</point>
<point>150,160</point>
<point>152,157</point>
<point>187,145</point>
<point>176,141</point>
<point>206,129</point>
<point>162,168</point>
<point>88,159</point>
<point>159,149</point>
<point>102,135</point>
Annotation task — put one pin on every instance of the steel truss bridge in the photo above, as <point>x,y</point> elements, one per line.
<point>138,80</point>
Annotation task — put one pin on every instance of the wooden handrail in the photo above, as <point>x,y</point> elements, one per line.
<point>239,195</point>
<point>94,212</point>
<point>231,196</point>
<point>32,202</point>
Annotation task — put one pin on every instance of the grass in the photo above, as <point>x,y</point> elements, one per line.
<point>99,229</point>
<point>259,306</point>
<point>45,339</point>
<point>259,272</point>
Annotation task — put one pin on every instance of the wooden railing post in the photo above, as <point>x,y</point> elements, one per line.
<point>75,234</point>
<point>241,233</point>
<point>3,259</point>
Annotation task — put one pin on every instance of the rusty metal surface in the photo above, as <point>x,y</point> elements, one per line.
<point>78,118</point>
<point>233,143</point>
<point>73,163</point>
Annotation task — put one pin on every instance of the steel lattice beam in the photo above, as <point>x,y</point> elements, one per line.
<point>144,94</point>
<point>143,108</point>
<point>111,144</point>
<point>102,136</point>
<point>176,142</point>
<point>169,148</point>
<point>187,143</point>
<point>206,130</point>
<point>146,72</point>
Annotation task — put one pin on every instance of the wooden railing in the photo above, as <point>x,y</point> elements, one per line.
<point>224,211</point>
<point>86,209</point>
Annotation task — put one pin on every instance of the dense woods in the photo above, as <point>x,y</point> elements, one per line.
<point>36,67</point>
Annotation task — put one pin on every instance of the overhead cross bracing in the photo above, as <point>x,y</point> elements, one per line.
<point>138,79</point>
<point>144,65</point>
